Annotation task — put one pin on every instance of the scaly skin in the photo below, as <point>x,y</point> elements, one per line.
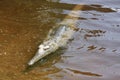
<point>56,39</point>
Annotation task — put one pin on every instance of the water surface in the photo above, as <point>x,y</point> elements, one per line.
<point>94,54</point>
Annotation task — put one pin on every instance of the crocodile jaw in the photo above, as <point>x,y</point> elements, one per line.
<point>43,51</point>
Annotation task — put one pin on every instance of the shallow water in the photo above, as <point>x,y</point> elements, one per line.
<point>94,54</point>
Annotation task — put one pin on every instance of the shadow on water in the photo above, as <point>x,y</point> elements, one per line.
<point>51,59</point>
<point>81,7</point>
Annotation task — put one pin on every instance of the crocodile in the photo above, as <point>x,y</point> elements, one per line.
<point>56,38</point>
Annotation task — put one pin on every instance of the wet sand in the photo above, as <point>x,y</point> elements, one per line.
<point>94,54</point>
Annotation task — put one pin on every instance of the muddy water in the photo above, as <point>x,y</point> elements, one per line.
<point>94,54</point>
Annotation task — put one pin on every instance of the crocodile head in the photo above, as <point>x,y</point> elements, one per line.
<point>42,51</point>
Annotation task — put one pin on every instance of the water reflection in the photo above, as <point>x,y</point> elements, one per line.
<point>49,60</point>
<point>84,73</point>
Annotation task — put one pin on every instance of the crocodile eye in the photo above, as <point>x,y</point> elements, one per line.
<point>46,47</point>
<point>41,46</point>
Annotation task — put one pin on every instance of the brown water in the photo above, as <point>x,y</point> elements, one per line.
<point>94,54</point>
